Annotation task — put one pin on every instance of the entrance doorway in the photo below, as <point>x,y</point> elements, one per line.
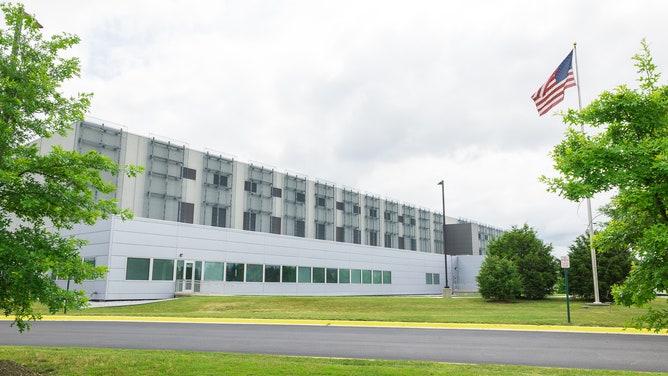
<point>188,274</point>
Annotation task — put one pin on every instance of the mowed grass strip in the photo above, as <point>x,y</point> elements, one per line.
<point>550,311</point>
<point>56,361</point>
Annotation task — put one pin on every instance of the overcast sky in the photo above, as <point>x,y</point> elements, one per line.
<point>387,97</point>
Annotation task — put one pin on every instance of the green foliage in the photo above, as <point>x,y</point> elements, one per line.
<point>498,279</point>
<point>537,268</point>
<point>628,156</point>
<point>83,361</point>
<point>613,267</point>
<point>43,194</point>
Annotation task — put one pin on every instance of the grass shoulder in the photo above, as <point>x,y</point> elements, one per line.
<point>57,361</point>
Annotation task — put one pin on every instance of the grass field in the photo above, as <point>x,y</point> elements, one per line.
<point>77,361</point>
<point>54,361</point>
<point>394,309</point>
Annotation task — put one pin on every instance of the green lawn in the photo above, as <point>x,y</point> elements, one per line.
<point>82,361</point>
<point>55,361</point>
<point>396,309</point>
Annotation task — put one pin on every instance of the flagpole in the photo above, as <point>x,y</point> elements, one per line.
<point>594,268</point>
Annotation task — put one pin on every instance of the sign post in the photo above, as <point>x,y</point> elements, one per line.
<point>565,264</point>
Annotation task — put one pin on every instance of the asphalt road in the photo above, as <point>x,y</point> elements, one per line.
<point>536,348</point>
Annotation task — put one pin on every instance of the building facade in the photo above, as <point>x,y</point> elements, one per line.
<point>206,223</point>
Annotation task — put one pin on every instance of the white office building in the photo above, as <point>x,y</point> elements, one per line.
<point>209,224</point>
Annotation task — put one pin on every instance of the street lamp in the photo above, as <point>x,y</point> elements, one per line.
<point>445,255</point>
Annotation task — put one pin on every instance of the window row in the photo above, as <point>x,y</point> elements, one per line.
<point>144,269</point>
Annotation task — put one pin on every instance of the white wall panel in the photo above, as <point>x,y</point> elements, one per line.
<point>146,238</point>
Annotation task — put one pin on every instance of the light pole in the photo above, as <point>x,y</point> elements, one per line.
<point>445,254</point>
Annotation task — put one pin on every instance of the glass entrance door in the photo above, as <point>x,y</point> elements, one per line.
<point>188,276</point>
<point>185,276</point>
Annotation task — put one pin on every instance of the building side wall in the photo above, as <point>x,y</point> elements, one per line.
<point>156,239</point>
<point>98,249</point>
<point>199,207</point>
<point>184,185</point>
<point>465,270</point>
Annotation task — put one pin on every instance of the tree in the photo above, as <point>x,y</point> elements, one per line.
<point>40,195</point>
<point>498,279</point>
<point>629,157</point>
<point>538,269</point>
<point>613,267</point>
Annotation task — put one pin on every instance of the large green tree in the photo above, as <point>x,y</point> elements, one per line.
<point>40,195</point>
<point>498,279</point>
<point>629,157</point>
<point>613,266</point>
<point>537,268</point>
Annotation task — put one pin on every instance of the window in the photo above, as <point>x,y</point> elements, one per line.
<point>253,273</point>
<point>339,234</point>
<point>357,209</point>
<point>218,217</point>
<point>188,173</point>
<point>213,271</point>
<point>318,275</point>
<point>339,205</point>
<point>249,221</point>
<point>413,244</point>
<point>198,271</point>
<point>433,278</point>
<point>137,269</point>
<point>304,274</point>
<point>320,201</point>
<point>401,242</point>
<point>373,212</point>
<point>387,277</point>
<point>344,275</point>
<point>234,272</point>
<point>220,180</point>
<point>250,186</point>
<point>356,276</point>
<point>272,273</point>
<point>186,212</point>
<point>388,240</point>
<point>366,276</point>
<point>388,216</point>
<point>429,278</point>
<point>163,270</point>
<point>300,197</point>
<point>89,260</point>
<point>289,273</point>
<point>332,275</point>
<point>180,269</point>
<point>413,221</point>
<point>373,237</point>
<point>377,277</point>
<point>275,225</point>
<point>300,228</point>
<point>276,192</point>
<point>437,279</point>
<point>357,236</point>
<point>401,219</point>
<point>320,231</point>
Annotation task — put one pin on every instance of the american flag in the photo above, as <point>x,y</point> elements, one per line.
<point>552,92</point>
